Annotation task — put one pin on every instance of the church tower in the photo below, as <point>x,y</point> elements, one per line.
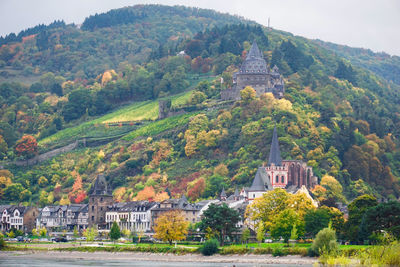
<point>276,171</point>
<point>100,197</point>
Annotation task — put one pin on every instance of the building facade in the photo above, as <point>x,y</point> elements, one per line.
<point>18,217</point>
<point>134,216</point>
<point>254,72</point>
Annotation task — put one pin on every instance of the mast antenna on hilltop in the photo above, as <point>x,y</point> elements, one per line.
<point>269,27</point>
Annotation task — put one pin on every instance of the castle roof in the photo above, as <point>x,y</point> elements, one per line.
<point>100,187</point>
<point>254,62</point>
<point>254,51</point>
<point>275,153</point>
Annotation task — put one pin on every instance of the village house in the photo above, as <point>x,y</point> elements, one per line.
<point>18,217</point>
<point>134,216</point>
<point>189,210</point>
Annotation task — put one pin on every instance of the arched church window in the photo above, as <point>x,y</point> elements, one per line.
<point>283,179</point>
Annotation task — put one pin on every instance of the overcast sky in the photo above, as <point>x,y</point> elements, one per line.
<point>373,24</point>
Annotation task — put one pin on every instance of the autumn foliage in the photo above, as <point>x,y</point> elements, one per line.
<point>77,195</point>
<point>147,193</point>
<point>171,226</point>
<point>26,146</point>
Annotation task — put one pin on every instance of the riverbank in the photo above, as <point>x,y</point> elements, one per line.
<point>139,256</point>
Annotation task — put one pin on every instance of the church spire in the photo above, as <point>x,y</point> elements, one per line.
<point>275,153</point>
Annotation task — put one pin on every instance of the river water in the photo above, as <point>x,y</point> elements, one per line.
<point>22,261</point>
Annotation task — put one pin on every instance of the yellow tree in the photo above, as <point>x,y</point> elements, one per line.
<point>170,226</point>
<point>268,206</point>
<point>300,203</point>
<point>248,94</point>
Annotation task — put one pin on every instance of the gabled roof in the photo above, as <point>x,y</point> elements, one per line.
<point>275,153</point>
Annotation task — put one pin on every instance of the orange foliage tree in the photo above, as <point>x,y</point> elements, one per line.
<point>26,146</point>
<point>77,194</point>
<point>147,193</point>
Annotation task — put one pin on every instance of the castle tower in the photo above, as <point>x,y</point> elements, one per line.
<point>254,72</point>
<point>100,197</point>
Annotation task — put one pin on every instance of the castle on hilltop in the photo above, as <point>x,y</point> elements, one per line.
<point>292,175</point>
<point>254,72</point>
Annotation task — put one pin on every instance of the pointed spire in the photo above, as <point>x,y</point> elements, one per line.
<point>223,194</point>
<point>236,192</point>
<point>275,153</point>
<point>254,51</point>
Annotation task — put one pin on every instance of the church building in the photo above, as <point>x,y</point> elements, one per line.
<point>254,72</point>
<point>291,175</point>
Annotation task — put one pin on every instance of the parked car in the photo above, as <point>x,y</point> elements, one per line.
<point>59,239</point>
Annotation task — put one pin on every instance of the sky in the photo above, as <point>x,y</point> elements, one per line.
<point>373,24</point>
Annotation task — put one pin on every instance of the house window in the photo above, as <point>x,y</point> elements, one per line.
<point>254,195</point>
<point>92,218</point>
<point>283,179</point>
<point>101,208</point>
<point>92,208</point>
<point>277,179</point>
<point>101,199</point>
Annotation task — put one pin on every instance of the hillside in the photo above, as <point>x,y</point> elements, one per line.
<point>340,118</point>
<point>131,34</point>
<point>382,64</point>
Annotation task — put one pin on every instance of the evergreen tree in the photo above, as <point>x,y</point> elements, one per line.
<point>115,232</point>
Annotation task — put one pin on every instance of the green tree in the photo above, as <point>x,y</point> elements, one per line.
<point>316,220</point>
<point>383,217</point>
<point>260,232</point>
<point>283,224</point>
<point>115,232</point>
<point>357,209</point>
<point>13,192</point>
<point>245,235</point>
<point>221,219</point>
<point>78,102</point>
<point>90,233</point>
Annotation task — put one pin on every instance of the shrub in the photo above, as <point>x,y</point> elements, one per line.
<point>278,252</point>
<point>325,242</point>
<point>2,242</point>
<point>209,247</point>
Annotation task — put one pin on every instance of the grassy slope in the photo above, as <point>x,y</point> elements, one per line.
<point>146,110</point>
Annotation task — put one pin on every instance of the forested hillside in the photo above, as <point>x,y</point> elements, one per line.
<point>381,63</point>
<point>340,118</point>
